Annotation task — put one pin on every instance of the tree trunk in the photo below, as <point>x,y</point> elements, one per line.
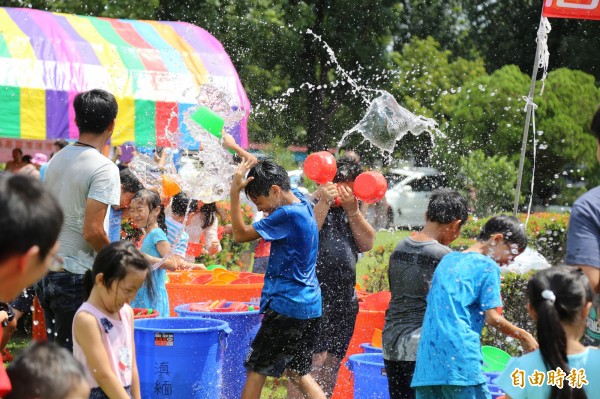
<point>317,75</point>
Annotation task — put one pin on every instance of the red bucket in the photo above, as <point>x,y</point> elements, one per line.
<point>370,187</point>
<point>320,167</point>
<point>194,249</point>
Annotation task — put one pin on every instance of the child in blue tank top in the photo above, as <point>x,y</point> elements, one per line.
<point>148,213</point>
<point>465,292</point>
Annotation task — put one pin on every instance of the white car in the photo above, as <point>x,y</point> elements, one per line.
<point>296,180</point>
<point>408,195</point>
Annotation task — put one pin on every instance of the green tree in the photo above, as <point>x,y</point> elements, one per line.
<point>272,51</point>
<point>488,114</point>
<point>129,9</point>
<point>493,177</point>
<point>505,32</point>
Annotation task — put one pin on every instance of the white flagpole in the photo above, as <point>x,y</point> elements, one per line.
<point>529,110</point>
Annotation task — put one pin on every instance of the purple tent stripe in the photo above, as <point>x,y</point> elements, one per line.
<point>64,47</point>
<point>42,48</point>
<point>84,48</point>
<point>57,114</point>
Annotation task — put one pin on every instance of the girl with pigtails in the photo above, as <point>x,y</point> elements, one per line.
<point>560,299</point>
<point>147,212</point>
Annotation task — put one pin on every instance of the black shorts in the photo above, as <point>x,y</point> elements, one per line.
<point>24,302</point>
<point>336,326</point>
<point>282,343</point>
<point>399,375</point>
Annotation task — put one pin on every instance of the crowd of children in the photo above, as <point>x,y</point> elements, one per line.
<point>431,340</point>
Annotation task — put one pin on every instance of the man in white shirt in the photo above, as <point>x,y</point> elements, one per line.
<point>86,183</point>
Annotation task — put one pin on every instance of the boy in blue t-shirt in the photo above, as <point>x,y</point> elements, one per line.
<point>291,296</point>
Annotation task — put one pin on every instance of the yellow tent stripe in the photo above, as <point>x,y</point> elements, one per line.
<point>189,55</point>
<point>33,114</point>
<point>17,42</point>
<point>125,123</point>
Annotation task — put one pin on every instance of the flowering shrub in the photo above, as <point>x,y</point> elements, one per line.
<point>376,279</point>
<point>130,232</point>
<point>514,299</point>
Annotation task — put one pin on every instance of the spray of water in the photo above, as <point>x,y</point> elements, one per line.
<point>386,122</point>
<point>205,175</point>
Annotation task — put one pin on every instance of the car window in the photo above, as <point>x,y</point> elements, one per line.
<point>427,183</point>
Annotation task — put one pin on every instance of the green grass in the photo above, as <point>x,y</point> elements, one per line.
<point>275,388</point>
<point>383,238</point>
<point>17,343</point>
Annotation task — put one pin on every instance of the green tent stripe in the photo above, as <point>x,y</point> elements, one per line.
<point>3,48</point>
<point>10,112</point>
<point>128,53</point>
<point>145,123</point>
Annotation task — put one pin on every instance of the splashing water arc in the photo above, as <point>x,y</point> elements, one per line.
<point>386,122</point>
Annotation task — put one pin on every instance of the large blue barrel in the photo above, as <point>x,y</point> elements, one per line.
<point>244,326</point>
<point>180,358</point>
<point>370,378</point>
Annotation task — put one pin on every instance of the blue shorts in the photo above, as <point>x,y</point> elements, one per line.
<point>453,392</point>
<point>24,302</point>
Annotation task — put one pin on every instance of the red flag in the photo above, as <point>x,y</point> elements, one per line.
<point>582,9</point>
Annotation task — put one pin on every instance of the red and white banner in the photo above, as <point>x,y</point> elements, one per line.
<point>582,9</point>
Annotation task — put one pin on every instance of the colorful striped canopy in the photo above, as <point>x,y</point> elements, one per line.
<point>154,69</point>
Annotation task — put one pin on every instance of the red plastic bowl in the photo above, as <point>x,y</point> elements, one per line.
<point>370,187</point>
<point>320,167</point>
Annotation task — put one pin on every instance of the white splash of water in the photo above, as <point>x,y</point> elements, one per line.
<point>386,122</point>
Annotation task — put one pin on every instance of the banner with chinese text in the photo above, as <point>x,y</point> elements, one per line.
<point>581,9</point>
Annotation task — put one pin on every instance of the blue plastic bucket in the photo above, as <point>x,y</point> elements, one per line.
<point>370,377</point>
<point>495,391</point>
<point>368,348</point>
<point>180,358</point>
<point>244,326</point>
<point>491,377</point>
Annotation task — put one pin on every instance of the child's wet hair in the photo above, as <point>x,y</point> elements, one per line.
<point>446,206</point>
<point>509,226</point>
<point>152,199</point>
<point>266,174</point>
<point>114,261</point>
<point>210,213</point>
<point>44,370</point>
<point>558,294</point>
<point>348,170</point>
<point>181,202</point>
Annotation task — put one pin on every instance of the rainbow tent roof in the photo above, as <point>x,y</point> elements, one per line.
<point>154,68</point>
